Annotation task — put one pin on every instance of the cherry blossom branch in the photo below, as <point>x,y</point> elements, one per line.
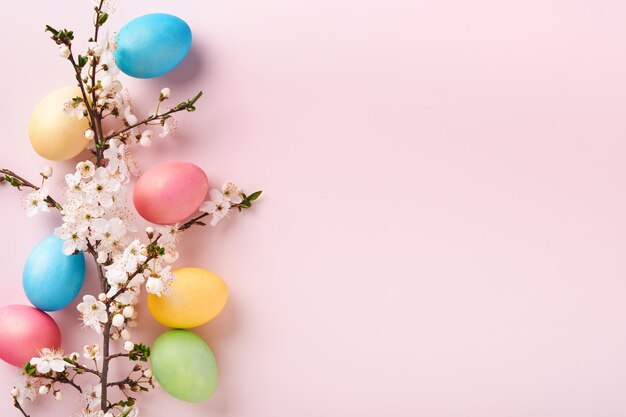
<point>188,105</point>
<point>99,19</point>
<point>17,181</point>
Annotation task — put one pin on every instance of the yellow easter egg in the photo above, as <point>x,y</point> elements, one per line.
<point>196,297</point>
<point>53,134</point>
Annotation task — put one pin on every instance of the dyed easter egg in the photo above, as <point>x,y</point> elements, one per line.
<point>152,45</point>
<point>184,365</point>
<point>197,296</point>
<point>51,279</point>
<point>53,134</point>
<point>24,331</point>
<point>170,192</point>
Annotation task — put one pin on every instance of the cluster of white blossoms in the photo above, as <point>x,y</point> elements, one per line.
<point>108,96</point>
<point>94,215</point>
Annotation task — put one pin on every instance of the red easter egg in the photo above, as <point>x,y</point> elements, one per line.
<point>170,192</point>
<point>24,331</point>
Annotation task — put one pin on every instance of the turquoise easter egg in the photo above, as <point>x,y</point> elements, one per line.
<point>152,45</point>
<point>51,280</point>
<point>184,366</point>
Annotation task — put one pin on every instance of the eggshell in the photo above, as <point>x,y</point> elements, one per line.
<point>51,280</point>
<point>197,296</point>
<point>53,134</point>
<point>184,366</point>
<point>170,192</point>
<point>152,45</point>
<point>24,331</point>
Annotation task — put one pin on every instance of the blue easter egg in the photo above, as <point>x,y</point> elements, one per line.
<point>152,45</point>
<point>51,280</point>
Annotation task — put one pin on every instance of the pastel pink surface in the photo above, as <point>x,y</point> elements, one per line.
<point>24,331</point>
<point>170,192</point>
<point>459,165</point>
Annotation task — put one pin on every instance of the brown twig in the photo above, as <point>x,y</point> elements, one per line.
<point>25,183</point>
<point>19,407</point>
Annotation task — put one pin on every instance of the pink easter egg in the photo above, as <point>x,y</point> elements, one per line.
<point>170,192</point>
<point>24,331</point>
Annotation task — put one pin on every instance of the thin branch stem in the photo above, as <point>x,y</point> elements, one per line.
<point>25,183</point>
<point>147,120</point>
<point>19,407</point>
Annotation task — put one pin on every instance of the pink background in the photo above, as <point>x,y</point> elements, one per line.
<point>443,229</point>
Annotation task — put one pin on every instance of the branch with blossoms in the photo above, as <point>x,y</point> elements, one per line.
<point>95,221</point>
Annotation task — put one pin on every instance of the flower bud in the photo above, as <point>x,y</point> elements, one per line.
<point>128,311</point>
<point>64,51</point>
<point>165,94</point>
<point>128,346</point>
<point>137,368</point>
<point>106,81</point>
<point>125,334</point>
<point>47,172</point>
<point>58,395</point>
<point>102,297</point>
<point>115,336</point>
<point>133,323</point>
<point>118,320</point>
<point>43,390</point>
<point>89,134</point>
<point>74,356</point>
<point>102,257</point>
<point>147,373</point>
<point>15,392</point>
<point>150,232</point>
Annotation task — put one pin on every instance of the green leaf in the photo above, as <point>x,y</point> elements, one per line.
<point>29,369</point>
<point>254,196</point>
<point>82,61</point>
<point>51,30</point>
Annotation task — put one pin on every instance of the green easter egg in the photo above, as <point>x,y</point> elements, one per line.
<point>184,366</point>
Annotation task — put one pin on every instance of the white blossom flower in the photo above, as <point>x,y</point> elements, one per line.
<point>169,234</point>
<point>108,231</point>
<point>93,313</point>
<point>92,352</point>
<point>91,395</point>
<point>129,116</point>
<point>231,192</point>
<point>86,169</point>
<point>36,202</point>
<point>167,128</point>
<point>74,107</point>
<point>50,360</point>
<point>171,254</point>
<point>25,387</point>
<point>101,188</point>
<point>74,185</point>
<point>146,138</point>
<point>75,236</point>
<point>218,206</point>
<point>159,278</point>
